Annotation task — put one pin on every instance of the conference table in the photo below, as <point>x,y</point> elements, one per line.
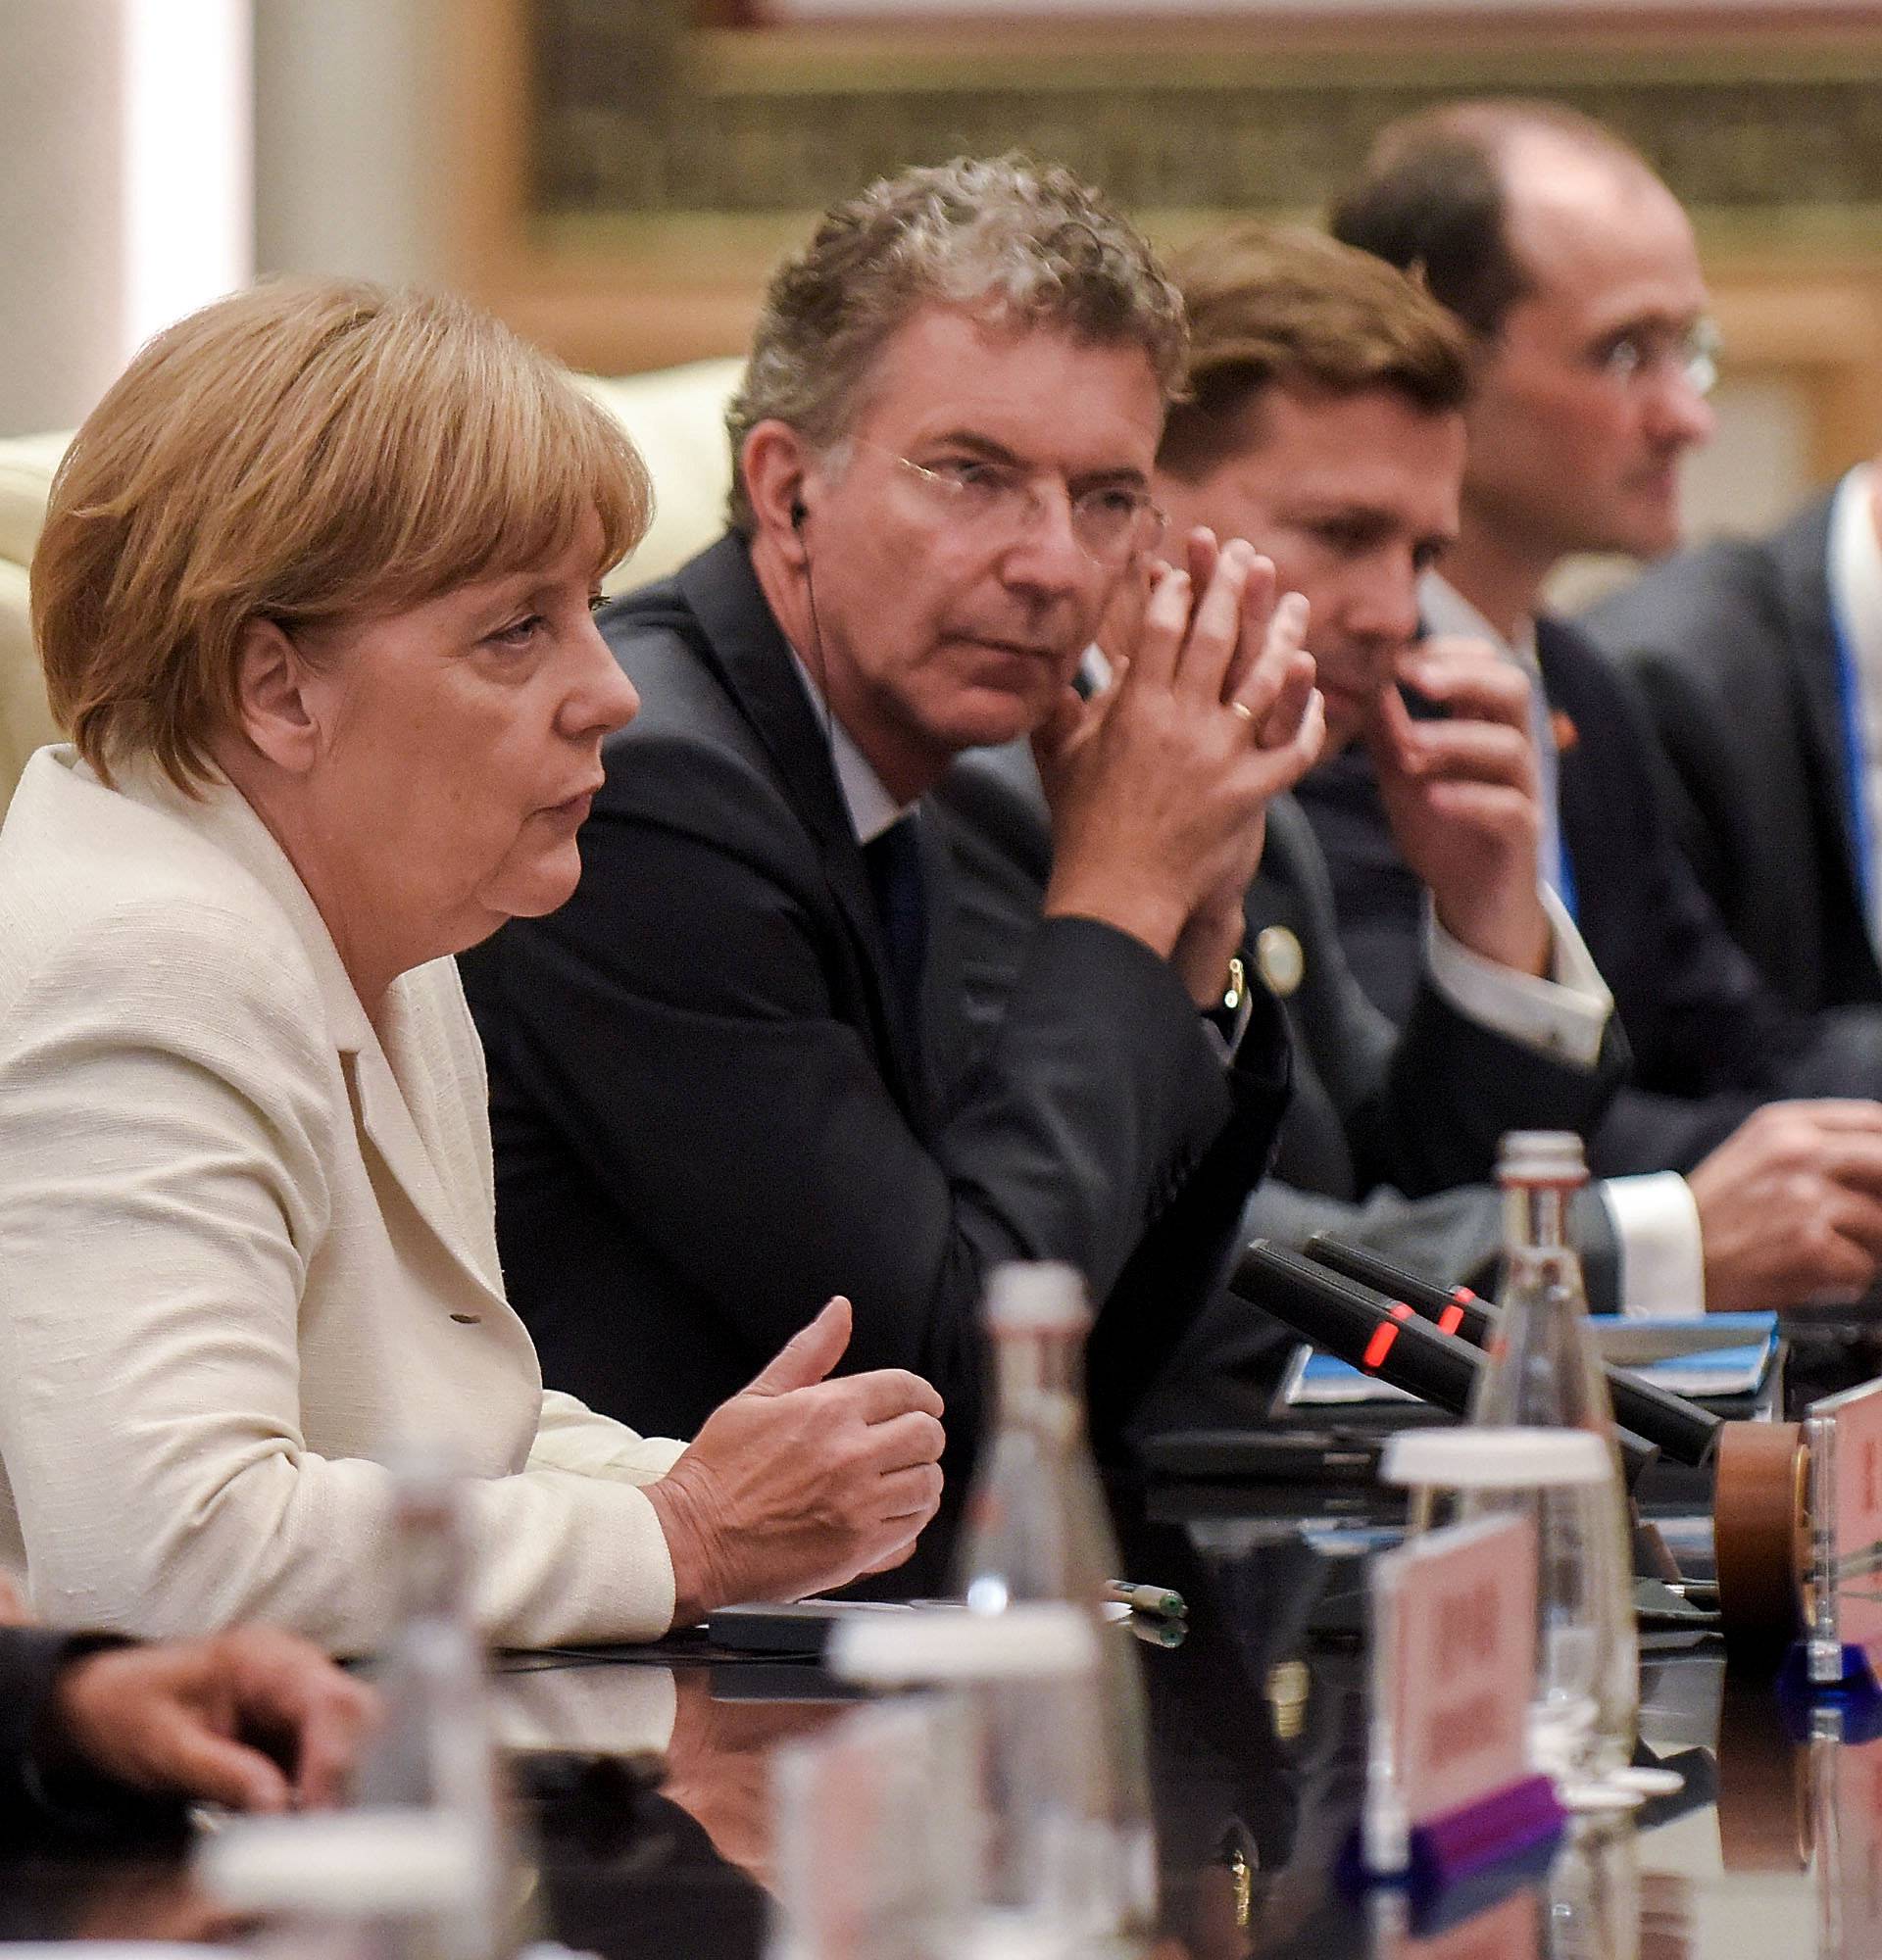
<point>1773,1846</point>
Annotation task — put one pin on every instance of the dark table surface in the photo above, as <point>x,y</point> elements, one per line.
<point>1258,1721</point>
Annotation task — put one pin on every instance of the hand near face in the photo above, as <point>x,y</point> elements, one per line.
<point>798,1484</point>
<point>219,1719</point>
<point>1462,794</point>
<point>1159,786</point>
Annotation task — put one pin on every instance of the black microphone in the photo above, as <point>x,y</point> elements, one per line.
<point>1684,1431</point>
<point>1378,1336</point>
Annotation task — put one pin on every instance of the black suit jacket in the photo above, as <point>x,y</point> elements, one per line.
<point>1390,1139</point>
<point>1710,1040</point>
<point>44,1792</point>
<point>1734,651</point>
<point>708,1117</point>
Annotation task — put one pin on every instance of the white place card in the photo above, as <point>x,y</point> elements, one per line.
<point>1453,1673</point>
<point>1846,1795</point>
<point>1846,1530</point>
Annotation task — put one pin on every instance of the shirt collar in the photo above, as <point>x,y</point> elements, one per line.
<point>1445,610</point>
<point>872,809</point>
<point>1856,569</point>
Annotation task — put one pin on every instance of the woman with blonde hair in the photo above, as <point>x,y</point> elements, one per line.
<point>314,599</point>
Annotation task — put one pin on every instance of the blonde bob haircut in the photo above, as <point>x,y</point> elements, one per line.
<point>305,453</point>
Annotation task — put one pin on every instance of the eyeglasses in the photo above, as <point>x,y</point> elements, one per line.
<point>1691,353</point>
<point>997,501</point>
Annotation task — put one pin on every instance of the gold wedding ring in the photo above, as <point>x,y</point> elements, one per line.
<point>1242,708</point>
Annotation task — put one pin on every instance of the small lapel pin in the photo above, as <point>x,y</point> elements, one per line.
<point>1282,964</point>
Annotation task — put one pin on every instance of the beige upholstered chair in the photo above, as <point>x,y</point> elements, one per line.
<point>677,416</point>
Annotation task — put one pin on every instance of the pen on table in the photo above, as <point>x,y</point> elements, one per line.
<point>1157,1600</point>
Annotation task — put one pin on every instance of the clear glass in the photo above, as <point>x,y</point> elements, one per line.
<point>1593,1897</point>
<point>436,1748</point>
<point>1542,1371</point>
<point>1037,1530</point>
<point>873,1830</point>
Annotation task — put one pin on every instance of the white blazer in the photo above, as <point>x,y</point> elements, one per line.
<point>247,1253</point>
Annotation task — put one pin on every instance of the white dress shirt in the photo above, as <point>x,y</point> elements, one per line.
<point>866,796</point>
<point>1663,1266</point>
<point>1855,575</point>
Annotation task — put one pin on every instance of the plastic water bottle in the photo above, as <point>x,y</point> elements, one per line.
<point>359,1885</point>
<point>435,1750</point>
<point>1037,1530</point>
<point>1542,1372</point>
<point>1000,1846</point>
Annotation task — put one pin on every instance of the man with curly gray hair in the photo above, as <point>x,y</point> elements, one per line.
<point>733,1076</point>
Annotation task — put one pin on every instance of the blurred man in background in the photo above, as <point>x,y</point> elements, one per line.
<point>1576,270</point>
<point>1760,660</point>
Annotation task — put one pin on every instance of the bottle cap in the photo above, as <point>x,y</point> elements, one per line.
<point>952,1643</point>
<point>1036,1297</point>
<point>360,1862</point>
<point>1494,1460</point>
<point>1541,1156</point>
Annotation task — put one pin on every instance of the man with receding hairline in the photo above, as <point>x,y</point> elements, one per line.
<point>1576,272</point>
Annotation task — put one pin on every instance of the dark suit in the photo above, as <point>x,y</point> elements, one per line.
<point>709,1114</point>
<point>1709,1041</point>
<point>1387,1140</point>
<point>42,1790</point>
<point>1734,650</point>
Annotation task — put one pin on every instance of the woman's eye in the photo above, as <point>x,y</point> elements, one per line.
<point>596,600</point>
<point>519,633</point>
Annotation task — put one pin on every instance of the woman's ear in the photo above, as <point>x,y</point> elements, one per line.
<point>272,704</point>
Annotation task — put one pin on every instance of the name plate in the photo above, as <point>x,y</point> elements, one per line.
<point>1505,1930</point>
<point>1448,1787</point>
<point>1845,1632</point>
<point>1847,1811</point>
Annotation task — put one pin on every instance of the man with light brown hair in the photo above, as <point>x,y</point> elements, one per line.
<point>1323,418</point>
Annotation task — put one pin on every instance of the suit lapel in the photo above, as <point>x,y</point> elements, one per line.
<point>754,662</point>
<point>1808,640</point>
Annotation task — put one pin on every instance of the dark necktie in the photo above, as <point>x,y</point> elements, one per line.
<point>894,864</point>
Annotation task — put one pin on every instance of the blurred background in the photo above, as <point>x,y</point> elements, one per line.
<point>616,176</point>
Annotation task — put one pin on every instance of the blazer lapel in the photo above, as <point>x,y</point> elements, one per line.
<point>413,1149</point>
<point>753,661</point>
<point>384,1114</point>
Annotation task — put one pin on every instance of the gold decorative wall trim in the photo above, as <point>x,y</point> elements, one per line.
<point>623,200</point>
<point>639,114</point>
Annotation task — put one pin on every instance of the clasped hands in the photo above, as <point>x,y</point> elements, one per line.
<point>1160,784</point>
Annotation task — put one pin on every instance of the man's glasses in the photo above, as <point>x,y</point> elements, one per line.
<point>997,501</point>
<point>1691,353</point>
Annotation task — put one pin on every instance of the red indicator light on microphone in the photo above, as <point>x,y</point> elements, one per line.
<point>1464,1296</point>
<point>1383,1336</point>
<point>1451,1319</point>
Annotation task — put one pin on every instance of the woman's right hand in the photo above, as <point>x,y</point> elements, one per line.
<point>798,1484</point>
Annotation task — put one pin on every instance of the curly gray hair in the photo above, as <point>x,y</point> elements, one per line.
<point>1023,244</point>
